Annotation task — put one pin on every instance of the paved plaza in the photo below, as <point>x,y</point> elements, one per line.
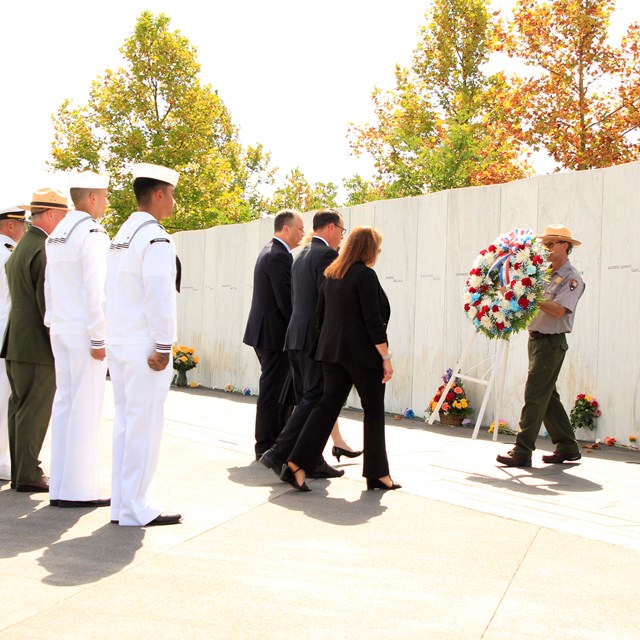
<point>465,550</point>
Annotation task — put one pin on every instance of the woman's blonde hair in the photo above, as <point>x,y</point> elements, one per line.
<point>362,245</point>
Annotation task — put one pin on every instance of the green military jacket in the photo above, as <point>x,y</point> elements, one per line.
<point>26,338</point>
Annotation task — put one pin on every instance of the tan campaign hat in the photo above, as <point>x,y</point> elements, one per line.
<point>559,233</point>
<point>47,198</point>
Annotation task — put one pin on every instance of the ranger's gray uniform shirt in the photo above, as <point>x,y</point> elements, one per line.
<point>565,287</point>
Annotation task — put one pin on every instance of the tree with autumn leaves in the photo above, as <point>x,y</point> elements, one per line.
<point>579,97</point>
<point>448,124</point>
<point>442,126</point>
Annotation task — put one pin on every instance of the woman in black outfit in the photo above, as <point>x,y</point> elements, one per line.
<point>353,312</point>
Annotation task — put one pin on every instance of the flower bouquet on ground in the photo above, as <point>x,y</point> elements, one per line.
<point>455,407</point>
<point>584,412</point>
<point>184,359</point>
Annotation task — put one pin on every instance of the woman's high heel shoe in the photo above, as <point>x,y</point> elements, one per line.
<point>376,483</point>
<point>289,476</point>
<point>336,452</point>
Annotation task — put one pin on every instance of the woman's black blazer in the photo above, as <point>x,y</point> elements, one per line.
<point>352,316</point>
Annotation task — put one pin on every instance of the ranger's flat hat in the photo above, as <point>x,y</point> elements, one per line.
<point>88,180</point>
<point>47,198</point>
<point>559,233</point>
<point>155,172</point>
<point>12,213</point>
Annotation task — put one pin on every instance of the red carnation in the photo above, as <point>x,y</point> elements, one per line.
<point>517,265</point>
<point>537,260</point>
<point>492,247</point>
<point>527,282</point>
<point>476,302</point>
<point>594,403</point>
<point>580,396</point>
<point>609,441</point>
<point>508,295</point>
<point>483,252</point>
<point>472,289</point>
<point>523,302</point>
<point>485,308</point>
<point>499,326</point>
<point>466,307</point>
<point>450,396</point>
<point>495,308</point>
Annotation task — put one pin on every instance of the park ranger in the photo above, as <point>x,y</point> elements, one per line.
<point>74,298</point>
<point>11,230</point>
<point>547,348</point>
<point>141,329</point>
<point>26,347</point>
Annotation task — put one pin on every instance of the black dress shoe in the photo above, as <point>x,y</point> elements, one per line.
<point>336,452</point>
<point>376,483</point>
<point>53,503</point>
<point>288,476</point>
<point>270,460</point>
<point>40,486</point>
<point>165,518</point>
<point>512,460</point>
<point>72,504</point>
<point>115,522</point>
<point>324,470</point>
<point>559,458</point>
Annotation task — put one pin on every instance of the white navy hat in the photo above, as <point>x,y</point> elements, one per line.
<point>12,213</point>
<point>156,172</point>
<point>88,180</point>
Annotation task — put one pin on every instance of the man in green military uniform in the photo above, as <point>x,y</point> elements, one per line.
<point>547,348</point>
<point>27,348</point>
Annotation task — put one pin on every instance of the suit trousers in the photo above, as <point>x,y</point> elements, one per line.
<point>271,414</point>
<point>139,395</point>
<point>541,399</point>
<point>308,381</point>
<point>75,419</point>
<point>338,380</point>
<point>32,389</point>
<point>5,392</point>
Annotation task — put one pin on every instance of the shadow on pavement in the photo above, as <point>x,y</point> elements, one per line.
<point>89,559</point>
<point>532,481</point>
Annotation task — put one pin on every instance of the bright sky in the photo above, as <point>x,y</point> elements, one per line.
<point>292,73</point>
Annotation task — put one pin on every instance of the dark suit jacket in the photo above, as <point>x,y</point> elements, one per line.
<point>353,314</point>
<point>307,276</point>
<point>26,339</point>
<point>271,302</point>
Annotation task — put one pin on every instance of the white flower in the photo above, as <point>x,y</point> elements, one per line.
<point>518,288</point>
<point>486,322</point>
<point>466,297</point>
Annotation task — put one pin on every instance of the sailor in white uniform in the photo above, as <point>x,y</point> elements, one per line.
<point>141,329</point>
<point>74,302</point>
<point>11,230</point>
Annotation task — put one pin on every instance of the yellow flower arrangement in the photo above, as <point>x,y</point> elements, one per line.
<point>184,358</point>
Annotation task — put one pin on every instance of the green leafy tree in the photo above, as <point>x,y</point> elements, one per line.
<point>297,193</point>
<point>155,109</point>
<point>443,126</point>
<point>579,98</point>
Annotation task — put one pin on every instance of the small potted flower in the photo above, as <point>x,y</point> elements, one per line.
<point>584,412</point>
<point>184,359</point>
<point>455,407</point>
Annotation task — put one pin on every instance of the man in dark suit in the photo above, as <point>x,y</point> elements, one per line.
<point>267,325</point>
<point>307,275</point>
<point>27,348</point>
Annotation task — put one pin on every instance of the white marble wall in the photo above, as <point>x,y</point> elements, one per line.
<point>429,245</point>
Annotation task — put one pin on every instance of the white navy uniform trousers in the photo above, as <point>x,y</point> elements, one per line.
<point>141,319</point>
<point>74,312</point>
<point>6,246</point>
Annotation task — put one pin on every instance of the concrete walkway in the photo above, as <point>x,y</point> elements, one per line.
<point>465,550</point>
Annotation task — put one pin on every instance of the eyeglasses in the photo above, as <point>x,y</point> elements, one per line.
<point>550,245</point>
<point>343,232</point>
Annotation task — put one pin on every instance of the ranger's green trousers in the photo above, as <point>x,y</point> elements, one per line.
<point>32,389</point>
<point>541,399</point>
